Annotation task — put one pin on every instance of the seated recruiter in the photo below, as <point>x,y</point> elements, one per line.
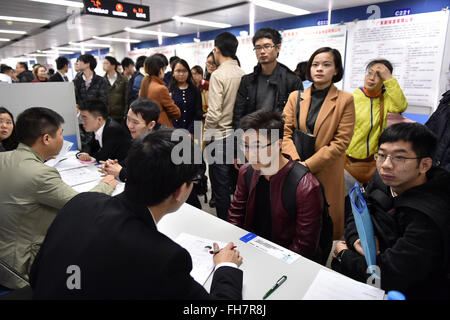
<point>257,204</point>
<point>34,192</point>
<point>114,245</point>
<point>112,140</point>
<point>380,94</point>
<point>142,118</point>
<point>409,204</point>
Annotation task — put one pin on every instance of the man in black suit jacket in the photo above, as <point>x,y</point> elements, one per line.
<point>62,64</point>
<point>103,247</point>
<point>111,140</point>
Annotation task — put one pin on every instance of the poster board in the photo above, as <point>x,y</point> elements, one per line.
<point>414,44</point>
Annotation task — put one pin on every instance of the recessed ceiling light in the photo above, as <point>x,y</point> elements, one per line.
<point>4,39</point>
<point>151,32</point>
<point>21,19</point>
<point>116,39</point>
<point>62,3</point>
<point>13,31</point>
<point>276,6</point>
<point>201,22</point>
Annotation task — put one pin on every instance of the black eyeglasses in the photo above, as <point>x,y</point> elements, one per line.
<point>266,47</point>
<point>380,158</point>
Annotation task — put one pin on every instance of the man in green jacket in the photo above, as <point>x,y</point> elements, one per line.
<point>31,193</point>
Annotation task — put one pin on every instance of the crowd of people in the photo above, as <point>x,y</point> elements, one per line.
<point>280,147</point>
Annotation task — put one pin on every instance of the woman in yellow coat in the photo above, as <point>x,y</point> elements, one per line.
<point>380,94</point>
<point>329,114</point>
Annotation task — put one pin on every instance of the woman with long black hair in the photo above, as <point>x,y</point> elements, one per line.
<point>186,96</point>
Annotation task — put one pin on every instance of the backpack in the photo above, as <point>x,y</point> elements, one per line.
<point>289,196</point>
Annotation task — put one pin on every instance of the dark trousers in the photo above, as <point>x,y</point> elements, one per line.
<point>223,176</point>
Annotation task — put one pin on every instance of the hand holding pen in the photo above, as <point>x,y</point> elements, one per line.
<point>227,254</point>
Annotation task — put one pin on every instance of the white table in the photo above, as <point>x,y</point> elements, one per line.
<point>261,270</point>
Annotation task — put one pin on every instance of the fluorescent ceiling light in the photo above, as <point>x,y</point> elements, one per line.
<point>201,22</point>
<point>4,39</point>
<point>116,39</point>
<point>67,49</point>
<point>41,55</point>
<point>58,52</point>
<point>93,45</point>
<point>276,6</point>
<point>20,19</point>
<point>155,33</point>
<point>13,31</point>
<point>62,3</point>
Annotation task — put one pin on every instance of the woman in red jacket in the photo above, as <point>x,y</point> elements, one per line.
<point>40,74</point>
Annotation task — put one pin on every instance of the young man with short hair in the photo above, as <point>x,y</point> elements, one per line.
<point>128,67</point>
<point>115,241</point>
<point>89,85</point>
<point>257,204</point>
<point>111,140</point>
<point>31,193</point>
<point>142,118</point>
<point>271,82</point>
<point>62,65</point>
<point>408,201</point>
<point>223,86</point>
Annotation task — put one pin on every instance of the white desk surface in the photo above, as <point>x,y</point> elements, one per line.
<point>261,270</point>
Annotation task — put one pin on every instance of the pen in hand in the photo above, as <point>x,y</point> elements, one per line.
<point>218,250</point>
<point>277,284</point>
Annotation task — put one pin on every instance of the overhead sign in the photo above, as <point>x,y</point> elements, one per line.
<point>117,9</point>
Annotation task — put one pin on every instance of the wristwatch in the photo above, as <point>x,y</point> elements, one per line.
<point>339,255</point>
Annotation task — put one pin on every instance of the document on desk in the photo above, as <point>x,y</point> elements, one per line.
<point>77,176</point>
<point>333,286</point>
<point>202,260</point>
<point>269,247</point>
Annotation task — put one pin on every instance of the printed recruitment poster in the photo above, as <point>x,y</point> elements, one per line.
<point>299,44</point>
<point>414,44</point>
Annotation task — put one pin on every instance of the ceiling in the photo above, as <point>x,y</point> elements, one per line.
<point>68,25</point>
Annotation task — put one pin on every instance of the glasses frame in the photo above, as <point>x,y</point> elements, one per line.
<point>395,160</point>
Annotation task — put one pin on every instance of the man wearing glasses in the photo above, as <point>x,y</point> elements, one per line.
<point>271,82</point>
<point>409,205</point>
<point>258,203</point>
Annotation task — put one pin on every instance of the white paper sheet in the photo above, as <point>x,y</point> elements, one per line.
<point>79,176</point>
<point>202,260</point>
<point>333,286</point>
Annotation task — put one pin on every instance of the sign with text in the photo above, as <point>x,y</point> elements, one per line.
<point>117,9</point>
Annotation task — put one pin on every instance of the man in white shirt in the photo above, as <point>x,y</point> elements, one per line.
<point>111,141</point>
<point>223,87</point>
<point>6,73</point>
